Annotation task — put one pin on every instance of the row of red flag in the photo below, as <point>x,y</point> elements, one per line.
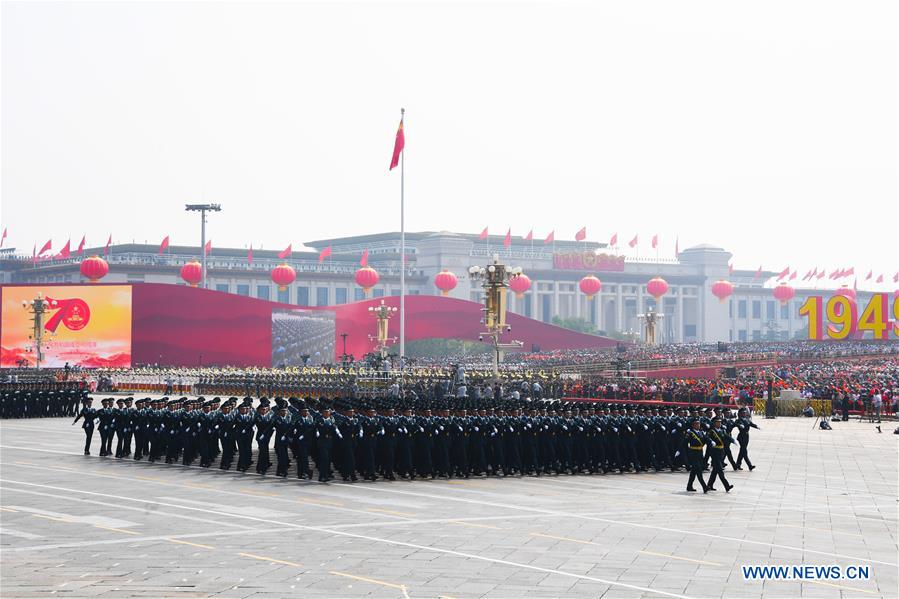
<point>581,235</point>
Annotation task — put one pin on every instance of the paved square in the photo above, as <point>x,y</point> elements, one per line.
<point>82,526</point>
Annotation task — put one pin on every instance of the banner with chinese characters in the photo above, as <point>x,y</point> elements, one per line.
<point>588,261</point>
<point>84,325</point>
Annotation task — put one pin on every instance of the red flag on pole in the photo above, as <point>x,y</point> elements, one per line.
<point>849,271</point>
<point>164,245</point>
<point>758,273</point>
<point>324,253</point>
<point>870,274</point>
<point>398,146</point>
<point>730,268</point>
<point>783,273</point>
<point>530,236</point>
<point>821,274</point>
<point>677,250</point>
<point>286,252</point>
<point>46,247</point>
<point>879,278</point>
<point>66,251</point>
<point>896,278</point>
<point>108,243</point>
<point>550,238</point>
<point>614,240</point>
<point>793,276</point>
<point>364,260</point>
<point>655,241</point>
<point>81,246</point>
<point>508,240</point>
<point>3,238</point>
<point>581,235</point>
<point>483,234</point>
<point>250,255</point>
<point>208,249</point>
<point>633,242</point>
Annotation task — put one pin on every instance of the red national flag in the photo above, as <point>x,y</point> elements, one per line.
<point>46,247</point>
<point>508,240</point>
<point>879,278</point>
<point>286,252</point>
<point>821,274</point>
<point>730,269</point>
<point>398,145</point>
<point>81,246</point>
<point>364,260</point>
<point>633,242</point>
<point>896,278</point>
<point>783,273</point>
<point>483,234</point>
<point>581,235</point>
<point>208,249</point>
<point>108,243</point>
<point>677,250</point>
<point>66,251</point>
<point>758,273</point>
<point>834,274</point>
<point>3,238</point>
<point>164,245</point>
<point>550,238</point>
<point>530,236</point>
<point>849,271</point>
<point>250,255</point>
<point>793,276</point>
<point>870,274</point>
<point>814,272</point>
<point>614,240</point>
<point>655,241</point>
<point>324,253</point>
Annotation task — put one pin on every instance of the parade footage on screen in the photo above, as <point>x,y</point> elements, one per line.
<point>302,337</point>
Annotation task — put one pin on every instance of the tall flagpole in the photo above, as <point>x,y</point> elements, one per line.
<point>402,250</point>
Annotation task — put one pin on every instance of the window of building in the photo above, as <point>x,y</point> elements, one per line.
<point>741,335</point>
<point>546,308</point>
<point>756,308</point>
<point>730,335</point>
<point>377,292</point>
<point>358,294</point>
<point>395,292</point>
<point>785,311</point>
<point>302,296</point>
<point>340,295</point>
<point>243,290</point>
<point>756,335</point>
<point>321,296</point>
<point>741,309</point>
<point>783,335</point>
<point>222,287</point>
<point>527,304</point>
<point>689,330</point>
<point>284,296</point>
<point>769,310</point>
<point>263,292</point>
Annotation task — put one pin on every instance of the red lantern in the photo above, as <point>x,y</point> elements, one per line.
<point>283,275</point>
<point>722,289</point>
<point>192,273</point>
<point>590,286</point>
<point>94,268</point>
<point>784,293</point>
<point>445,281</point>
<point>846,291</point>
<point>520,285</point>
<point>367,277</point>
<point>657,287</point>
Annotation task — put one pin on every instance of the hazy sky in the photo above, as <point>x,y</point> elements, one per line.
<point>769,128</point>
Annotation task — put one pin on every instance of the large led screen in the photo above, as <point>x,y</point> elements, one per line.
<point>87,326</point>
<point>302,337</point>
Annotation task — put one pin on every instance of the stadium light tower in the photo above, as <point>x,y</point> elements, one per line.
<point>203,209</point>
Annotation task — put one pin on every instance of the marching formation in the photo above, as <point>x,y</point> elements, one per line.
<point>389,439</point>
